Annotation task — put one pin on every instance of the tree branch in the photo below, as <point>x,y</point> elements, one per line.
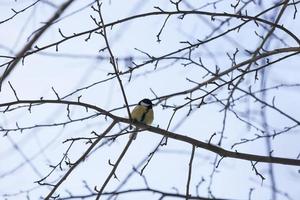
<point>28,46</point>
<point>218,150</point>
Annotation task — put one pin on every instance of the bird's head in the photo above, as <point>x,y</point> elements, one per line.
<point>146,102</point>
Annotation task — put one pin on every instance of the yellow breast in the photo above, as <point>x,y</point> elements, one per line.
<point>142,114</point>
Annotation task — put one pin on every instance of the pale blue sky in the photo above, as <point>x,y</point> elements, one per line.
<point>169,166</point>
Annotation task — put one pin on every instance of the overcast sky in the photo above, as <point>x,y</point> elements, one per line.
<point>76,63</point>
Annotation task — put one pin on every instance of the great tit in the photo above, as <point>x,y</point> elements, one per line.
<point>142,113</point>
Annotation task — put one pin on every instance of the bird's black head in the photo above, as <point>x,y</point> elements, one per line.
<point>146,102</point>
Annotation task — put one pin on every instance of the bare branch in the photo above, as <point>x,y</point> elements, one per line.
<point>114,168</point>
<point>190,174</point>
<point>28,46</point>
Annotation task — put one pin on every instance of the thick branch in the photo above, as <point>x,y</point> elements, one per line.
<point>218,150</point>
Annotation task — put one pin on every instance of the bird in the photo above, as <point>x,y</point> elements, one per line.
<point>143,113</point>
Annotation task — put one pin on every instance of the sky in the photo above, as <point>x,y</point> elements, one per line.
<point>27,156</point>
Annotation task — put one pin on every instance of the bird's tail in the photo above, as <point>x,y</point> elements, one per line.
<point>134,134</point>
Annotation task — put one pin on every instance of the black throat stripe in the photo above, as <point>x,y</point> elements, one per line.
<point>144,115</point>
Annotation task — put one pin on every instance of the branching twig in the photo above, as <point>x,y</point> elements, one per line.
<point>114,168</point>
<point>112,59</point>
<point>82,158</point>
<point>28,46</point>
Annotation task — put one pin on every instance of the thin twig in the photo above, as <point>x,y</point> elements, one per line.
<point>190,173</point>
<point>14,91</point>
<point>115,166</point>
<point>81,159</point>
<point>113,60</point>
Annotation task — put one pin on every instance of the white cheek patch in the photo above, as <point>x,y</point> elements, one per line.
<point>144,104</point>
